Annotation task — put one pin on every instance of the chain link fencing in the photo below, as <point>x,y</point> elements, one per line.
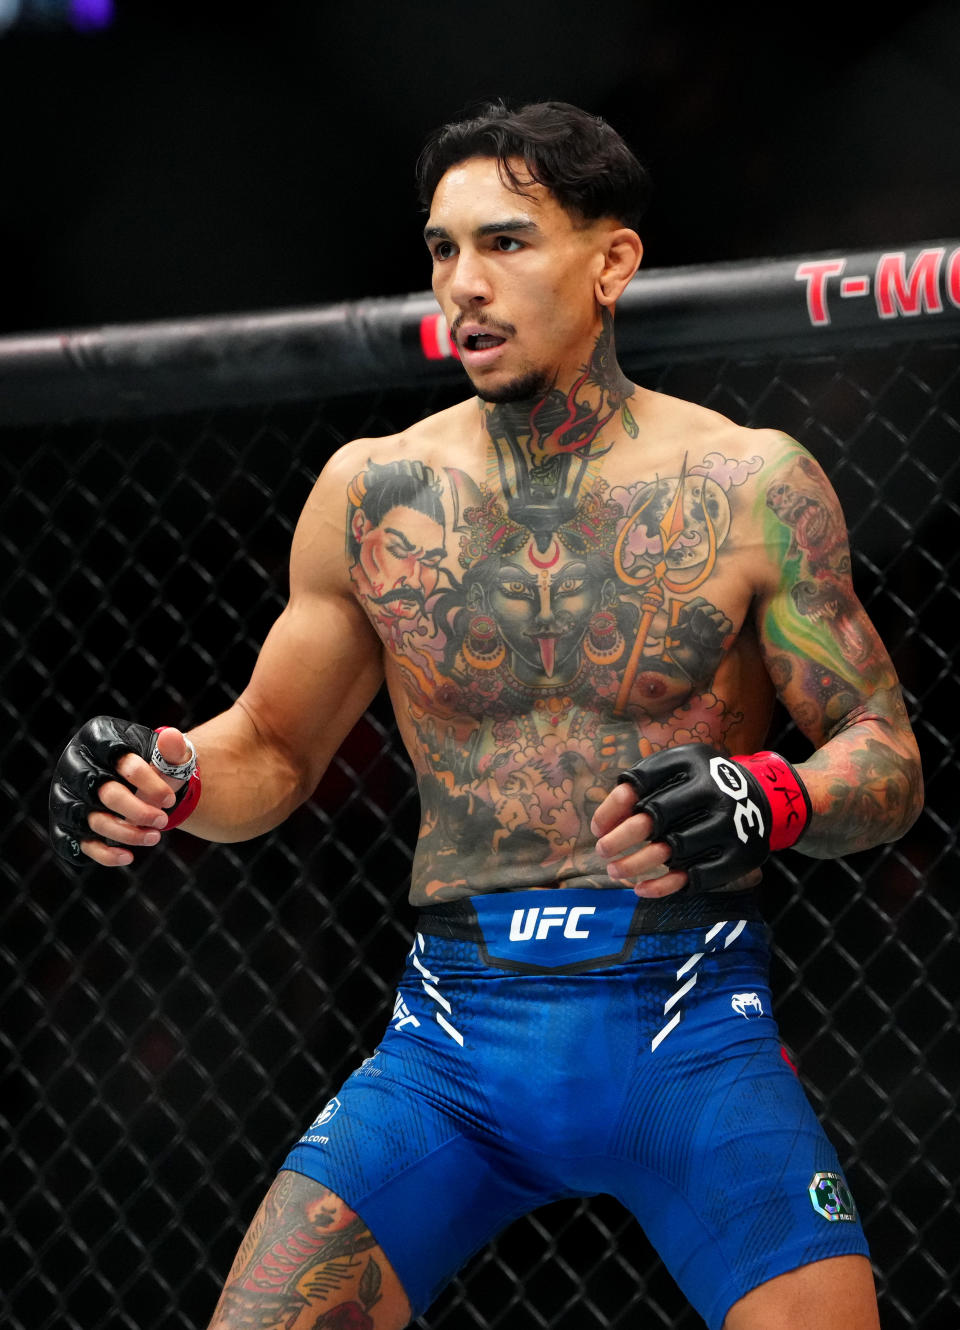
<point>168,1030</point>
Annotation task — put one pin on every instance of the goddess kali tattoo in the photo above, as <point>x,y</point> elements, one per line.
<point>542,622</point>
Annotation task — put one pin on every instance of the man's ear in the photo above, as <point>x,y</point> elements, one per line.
<point>621,260</point>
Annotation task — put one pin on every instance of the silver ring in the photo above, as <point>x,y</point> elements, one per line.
<point>181,772</point>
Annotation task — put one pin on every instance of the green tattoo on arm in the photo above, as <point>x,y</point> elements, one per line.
<point>834,675</point>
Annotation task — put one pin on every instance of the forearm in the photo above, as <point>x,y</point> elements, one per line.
<point>865,782</point>
<point>250,783</point>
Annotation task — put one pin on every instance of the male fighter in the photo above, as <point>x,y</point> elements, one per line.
<point>605,589</point>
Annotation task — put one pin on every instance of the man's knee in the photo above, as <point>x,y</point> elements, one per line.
<point>307,1259</point>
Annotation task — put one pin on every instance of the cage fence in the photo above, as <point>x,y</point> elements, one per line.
<point>168,1030</point>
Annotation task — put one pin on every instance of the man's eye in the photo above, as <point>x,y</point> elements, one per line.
<point>507,244</point>
<point>443,249</point>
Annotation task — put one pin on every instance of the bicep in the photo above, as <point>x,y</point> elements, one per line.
<point>821,649</point>
<point>321,663</point>
<point>833,673</point>
<point>317,672</point>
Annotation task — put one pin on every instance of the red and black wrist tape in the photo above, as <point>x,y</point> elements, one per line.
<point>786,793</point>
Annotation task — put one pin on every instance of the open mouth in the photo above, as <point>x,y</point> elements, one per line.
<point>482,341</point>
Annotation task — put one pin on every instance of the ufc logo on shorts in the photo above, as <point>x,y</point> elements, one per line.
<point>524,925</point>
<point>729,778</point>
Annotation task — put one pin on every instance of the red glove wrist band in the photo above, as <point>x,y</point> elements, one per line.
<point>188,796</point>
<point>789,802</point>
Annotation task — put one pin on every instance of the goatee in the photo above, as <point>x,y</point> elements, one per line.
<point>527,388</point>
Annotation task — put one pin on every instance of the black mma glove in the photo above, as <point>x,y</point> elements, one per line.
<point>87,762</point>
<point>721,816</point>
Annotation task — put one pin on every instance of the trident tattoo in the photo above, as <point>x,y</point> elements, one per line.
<point>654,579</point>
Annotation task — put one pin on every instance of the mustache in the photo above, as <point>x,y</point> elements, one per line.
<point>478,317</point>
<point>400,593</point>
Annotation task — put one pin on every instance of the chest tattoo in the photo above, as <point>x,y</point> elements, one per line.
<point>548,626</point>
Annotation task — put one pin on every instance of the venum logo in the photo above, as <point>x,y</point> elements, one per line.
<point>536,923</point>
<point>830,1196</point>
<point>744,1002</point>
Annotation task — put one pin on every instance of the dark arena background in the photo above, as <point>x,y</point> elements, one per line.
<point>208,234</point>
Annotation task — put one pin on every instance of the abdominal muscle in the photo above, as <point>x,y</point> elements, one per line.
<point>507,797</point>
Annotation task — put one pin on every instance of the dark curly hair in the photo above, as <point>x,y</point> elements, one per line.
<point>577,156</point>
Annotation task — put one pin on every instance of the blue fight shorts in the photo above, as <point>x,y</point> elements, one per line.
<point>546,1044</point>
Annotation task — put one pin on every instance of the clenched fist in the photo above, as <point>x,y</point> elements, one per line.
<point>691,817</point>
<point>109,796</point>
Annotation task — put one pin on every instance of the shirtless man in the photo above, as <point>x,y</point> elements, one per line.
<point>593,594</point>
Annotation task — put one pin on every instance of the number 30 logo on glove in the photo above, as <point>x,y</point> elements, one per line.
<point>732,780</point>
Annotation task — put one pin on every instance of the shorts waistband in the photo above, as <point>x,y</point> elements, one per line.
<point>573,926</point>
<point>460,920</point>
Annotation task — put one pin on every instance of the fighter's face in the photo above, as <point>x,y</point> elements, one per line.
<point>399,559</point>
<point>515,276</point>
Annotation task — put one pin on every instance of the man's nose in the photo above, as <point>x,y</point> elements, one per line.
<point>471,284</point>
